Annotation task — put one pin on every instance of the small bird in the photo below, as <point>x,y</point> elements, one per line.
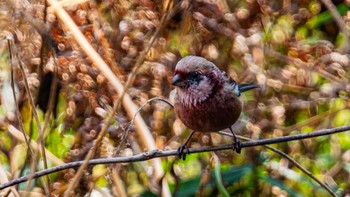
<point>205,98</point>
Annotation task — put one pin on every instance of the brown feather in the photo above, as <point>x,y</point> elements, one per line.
<point>210,105</point>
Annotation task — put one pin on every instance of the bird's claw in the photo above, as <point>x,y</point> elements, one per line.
<point>182,151</point>
<point>237,145</point>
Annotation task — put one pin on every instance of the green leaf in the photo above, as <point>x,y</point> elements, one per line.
<point>229,176</point>
<point>279,184</point>
<point>325,17</point>
<point>342,118</point>
<point>218,178</point>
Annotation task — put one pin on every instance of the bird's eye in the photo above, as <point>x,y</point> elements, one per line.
<point>194,76</point>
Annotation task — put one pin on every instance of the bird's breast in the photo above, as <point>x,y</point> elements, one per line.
<point>216,113</point>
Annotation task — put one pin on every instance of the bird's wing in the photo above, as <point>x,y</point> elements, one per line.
<point>235,87</point>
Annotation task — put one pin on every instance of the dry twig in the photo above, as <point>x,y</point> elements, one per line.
<point>165,153</point>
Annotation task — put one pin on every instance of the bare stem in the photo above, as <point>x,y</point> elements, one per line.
<point>165,153</point>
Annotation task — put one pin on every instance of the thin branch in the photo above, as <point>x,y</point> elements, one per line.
<point>165,153</point>
<point>53,92</point>
<point>300,64</point>
<point>311,121</point>
<point>114,81</point>
<point>18,113</point>
<point>337,17</point>
<point>130,107</point>
<point>117,185</point>
<point>133,119</point>
<point>4,179</point>
<point>308,173</point>
<point>300,167</point>
<point>46,184</point>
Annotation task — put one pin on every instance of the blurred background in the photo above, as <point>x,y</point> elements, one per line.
<point>296,51</point>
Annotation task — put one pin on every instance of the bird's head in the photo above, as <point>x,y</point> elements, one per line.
<point>196,78</point>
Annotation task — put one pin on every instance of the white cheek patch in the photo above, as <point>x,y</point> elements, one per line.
<point>203,89</point>
<point>197,93</point>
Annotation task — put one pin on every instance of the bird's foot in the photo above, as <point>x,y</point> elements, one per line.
<point>237,145</point>
<point>182,151</point>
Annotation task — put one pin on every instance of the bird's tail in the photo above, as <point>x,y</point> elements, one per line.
<point>246,87</point>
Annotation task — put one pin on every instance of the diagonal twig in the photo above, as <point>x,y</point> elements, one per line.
<point>18,113</point>
<point>308,173</point>
<point>123,97</point>
<point>36,117</point>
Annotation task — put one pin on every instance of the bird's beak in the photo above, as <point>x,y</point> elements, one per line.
<point>246,87</point>
<point>178,81</point>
